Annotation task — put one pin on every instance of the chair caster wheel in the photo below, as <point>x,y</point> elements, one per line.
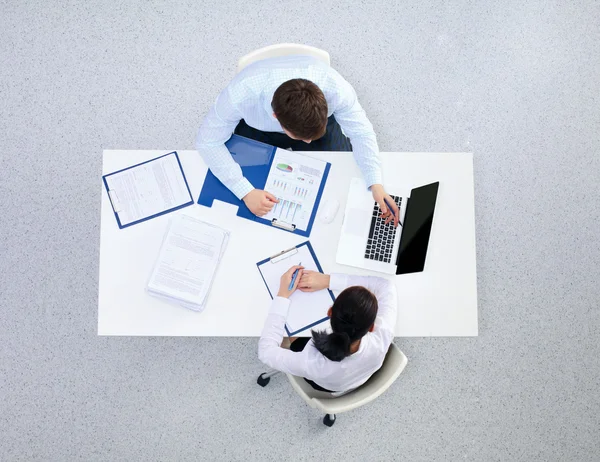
<point>329,419</point>
<point>263,381</point>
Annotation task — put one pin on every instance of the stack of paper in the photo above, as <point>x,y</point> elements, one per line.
<point>187,262</point>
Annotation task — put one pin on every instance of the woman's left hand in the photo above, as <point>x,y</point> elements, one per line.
<point>313,281</point>
<point>286,279</point>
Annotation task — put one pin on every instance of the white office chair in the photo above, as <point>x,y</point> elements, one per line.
<point>392,367</point>
<point>282,49</point>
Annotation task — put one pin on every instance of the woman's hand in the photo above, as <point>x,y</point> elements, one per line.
<point>286,279</point>
<point>312,281</point>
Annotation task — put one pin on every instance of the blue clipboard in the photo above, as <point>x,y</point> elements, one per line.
<point>280,254</point>
<point>108,191</point>
<point>255,159</point>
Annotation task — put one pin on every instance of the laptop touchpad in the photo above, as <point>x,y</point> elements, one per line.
<point>357,222</point>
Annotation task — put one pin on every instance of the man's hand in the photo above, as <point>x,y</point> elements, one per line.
<point>260,202</point>
<point>312,281</point>
<point>385,203</point>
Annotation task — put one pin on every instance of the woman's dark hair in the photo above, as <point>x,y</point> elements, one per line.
<point>352,315</point>
<point>301,108</point>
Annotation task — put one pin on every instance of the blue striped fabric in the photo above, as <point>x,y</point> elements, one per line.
<point>249,97</point>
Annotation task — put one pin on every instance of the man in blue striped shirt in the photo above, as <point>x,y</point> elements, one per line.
<point>295,102</point>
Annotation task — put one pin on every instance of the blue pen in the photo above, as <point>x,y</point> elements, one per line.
<point>291,286</point>
<point>392,211</point>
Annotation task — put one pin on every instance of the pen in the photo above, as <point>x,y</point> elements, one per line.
<point>291,286</point>
<point>392,211</point>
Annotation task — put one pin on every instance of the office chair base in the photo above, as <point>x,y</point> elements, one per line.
<point>329,419</point>
<point>263,381</point>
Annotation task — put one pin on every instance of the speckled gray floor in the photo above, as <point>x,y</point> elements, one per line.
<point>516,83</point>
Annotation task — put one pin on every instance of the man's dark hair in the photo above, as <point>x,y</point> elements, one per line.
<point>301,108</point>
<point>352,315</point>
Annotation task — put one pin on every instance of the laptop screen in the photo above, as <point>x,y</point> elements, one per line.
<point>417,228</point>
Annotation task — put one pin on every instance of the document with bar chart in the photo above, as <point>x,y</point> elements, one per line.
<point>295,179</point>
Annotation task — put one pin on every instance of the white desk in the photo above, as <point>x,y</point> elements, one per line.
<point>441,301</point>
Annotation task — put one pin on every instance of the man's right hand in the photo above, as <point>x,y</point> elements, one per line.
<point>260,202</point>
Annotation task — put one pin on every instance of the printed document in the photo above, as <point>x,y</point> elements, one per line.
<point>148,189</point>
<point>295,180</point>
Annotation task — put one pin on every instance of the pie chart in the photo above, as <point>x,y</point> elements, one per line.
<point>284,168</point>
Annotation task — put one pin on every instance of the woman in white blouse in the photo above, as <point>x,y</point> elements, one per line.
<point>362,317</point>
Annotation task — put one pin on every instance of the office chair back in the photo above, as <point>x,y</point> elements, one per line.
<point>282,49</point>
<point>393,365</point>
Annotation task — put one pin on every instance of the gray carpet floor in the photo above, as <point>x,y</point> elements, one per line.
<point>516,83</point>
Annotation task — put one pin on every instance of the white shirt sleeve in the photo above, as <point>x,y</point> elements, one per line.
<point>383,289</point>
<point>218,126</point>
<point>356,126</point>
<point>270,351</point>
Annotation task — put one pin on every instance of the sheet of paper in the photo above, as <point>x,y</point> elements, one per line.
<point>148,189</point>
<point>306,308</point>
<point>187,261</point>
<point>295,180</point>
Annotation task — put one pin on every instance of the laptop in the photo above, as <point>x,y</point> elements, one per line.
<point>366,242</point>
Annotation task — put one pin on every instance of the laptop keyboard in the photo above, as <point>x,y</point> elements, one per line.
<point>380,244</point>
